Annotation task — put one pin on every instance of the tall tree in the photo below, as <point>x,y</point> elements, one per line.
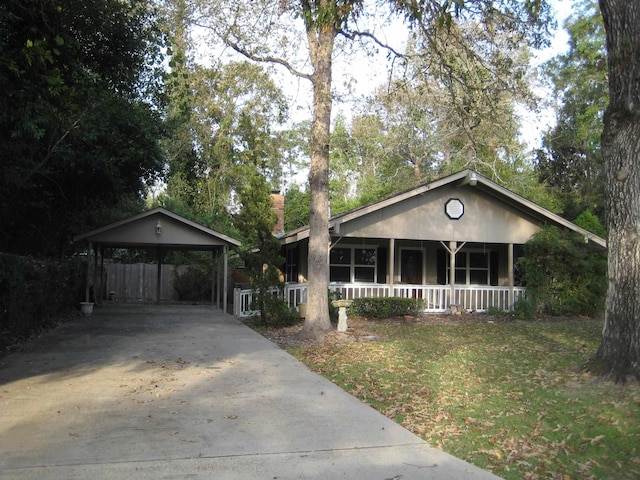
<point>261,249</point>
<point>570,160</point>
<point>266,31</point>
<point>619,351</point>
<point>364,165</point>
<point>471,77</point>
<point>231,109</point>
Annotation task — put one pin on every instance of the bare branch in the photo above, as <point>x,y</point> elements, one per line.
<point>389,48</point>
<point>260,58</point>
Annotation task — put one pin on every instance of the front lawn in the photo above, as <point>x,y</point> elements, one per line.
<point>509,397</point>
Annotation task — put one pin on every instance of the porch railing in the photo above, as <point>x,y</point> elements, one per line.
<point>435,297</point>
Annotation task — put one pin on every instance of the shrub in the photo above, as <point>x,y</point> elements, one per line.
<point>384,307</point>
<point>563,277</point>
<point>34,292</point>
<point>194,284</point>
<point>278,313</point>
<point>524,309</point>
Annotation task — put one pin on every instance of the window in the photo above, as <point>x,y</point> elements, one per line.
<point>291,274</point>
<point>472,268</point>
<point>352,264</point>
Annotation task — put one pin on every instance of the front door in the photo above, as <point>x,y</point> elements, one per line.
<point>411,267</point>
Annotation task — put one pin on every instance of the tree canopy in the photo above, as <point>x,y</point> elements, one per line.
<point>570,160</point>
<point>78,134</point>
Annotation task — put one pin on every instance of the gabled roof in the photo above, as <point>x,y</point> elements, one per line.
<point>465,177</point>
<point>158,227</point>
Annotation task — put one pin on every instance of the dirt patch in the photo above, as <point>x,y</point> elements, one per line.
<point>360,329</point>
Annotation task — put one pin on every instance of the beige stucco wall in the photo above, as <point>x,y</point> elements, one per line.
<point>423,217</point>
<point>143,231</point>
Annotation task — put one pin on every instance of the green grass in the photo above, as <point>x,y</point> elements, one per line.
<point>507,397</point>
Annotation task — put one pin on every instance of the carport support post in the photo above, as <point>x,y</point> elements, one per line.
<point>100,296</point>
<point>214,274</point>
<point>159,276</point>
<point>87,287</point>
<point>218,279</point>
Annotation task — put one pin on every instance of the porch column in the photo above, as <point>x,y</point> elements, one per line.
<point>87,288</point>
<point>392,263</point>
<point>453,249</point>
<point>225,290</point>
<point>510,273</point>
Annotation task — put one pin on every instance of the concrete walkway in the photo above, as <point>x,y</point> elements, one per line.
<point>188,392</point>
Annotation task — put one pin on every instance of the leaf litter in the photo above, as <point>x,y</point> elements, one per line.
<point>508,396</point>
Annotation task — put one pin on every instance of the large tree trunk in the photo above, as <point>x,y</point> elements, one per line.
<point>317,323</point>
<point>619,352</point>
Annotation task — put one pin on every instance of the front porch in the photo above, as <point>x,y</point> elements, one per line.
<point>435,298</point>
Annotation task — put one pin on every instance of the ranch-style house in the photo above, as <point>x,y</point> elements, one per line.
<point>453,243</point>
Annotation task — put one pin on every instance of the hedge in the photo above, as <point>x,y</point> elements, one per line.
<point>34,292</point>
<point>384,307</point>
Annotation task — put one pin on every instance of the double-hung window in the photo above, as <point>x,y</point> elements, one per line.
<point>472,268</point>
<point>291,274</point>
<point>352,264</point>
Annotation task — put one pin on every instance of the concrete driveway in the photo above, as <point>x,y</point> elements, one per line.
<point>188,392</point>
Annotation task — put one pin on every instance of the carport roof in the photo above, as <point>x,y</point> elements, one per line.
<point>157,228</point>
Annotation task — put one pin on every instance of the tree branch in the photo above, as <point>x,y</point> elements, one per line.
<point>259,58</point>
<point>354,35</point>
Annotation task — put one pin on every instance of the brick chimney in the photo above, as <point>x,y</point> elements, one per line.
<point>277,200</point>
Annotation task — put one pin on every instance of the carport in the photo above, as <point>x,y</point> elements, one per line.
<point>161,230</point>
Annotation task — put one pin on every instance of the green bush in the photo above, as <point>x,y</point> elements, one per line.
<point>384,307</point>
<point>524,309</point>
<point>33,293</point>
<point>278,313</point>
<point>562,276</point>
<point>193,285</point>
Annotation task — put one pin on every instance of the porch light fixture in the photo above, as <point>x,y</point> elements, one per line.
<point>158,228</point>
<point>454,208</point>
<point>473,179</point>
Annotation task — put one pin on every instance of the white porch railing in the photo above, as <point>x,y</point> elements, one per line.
<point>480,299</point>
<point>435,297</point>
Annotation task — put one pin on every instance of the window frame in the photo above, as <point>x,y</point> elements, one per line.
<point>352,265</point>
<point>292,258</point>
<point>468,268</point>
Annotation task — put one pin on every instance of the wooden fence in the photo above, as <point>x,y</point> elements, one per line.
<point>137,282</point>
